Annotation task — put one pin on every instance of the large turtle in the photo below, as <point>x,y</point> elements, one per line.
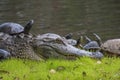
<point>15,28</point>
<point>111,47</point>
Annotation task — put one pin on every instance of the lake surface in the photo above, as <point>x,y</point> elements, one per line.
<point>80,17</point>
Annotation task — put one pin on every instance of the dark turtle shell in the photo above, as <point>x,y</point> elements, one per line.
<point>92,45</point>
<point>15,28</point>
<point>11,28</point>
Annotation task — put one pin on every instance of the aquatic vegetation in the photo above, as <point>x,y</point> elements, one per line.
<point>83,68</point>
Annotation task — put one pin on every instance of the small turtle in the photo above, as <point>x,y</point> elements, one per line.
<point>91,45</point>
<point>4,54</point>
<point>15,28</point>
<point>94,46</point>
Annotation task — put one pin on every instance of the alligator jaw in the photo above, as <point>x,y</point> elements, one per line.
<point>64,50</point>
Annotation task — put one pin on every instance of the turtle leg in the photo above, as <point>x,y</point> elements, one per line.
<point>28,27</point>
<point>98,39</point>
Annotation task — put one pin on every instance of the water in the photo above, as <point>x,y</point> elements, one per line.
<point>80,17</point>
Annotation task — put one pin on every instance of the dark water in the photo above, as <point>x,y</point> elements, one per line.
<point>81,17</point>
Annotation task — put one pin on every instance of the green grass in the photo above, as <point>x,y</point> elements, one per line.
<point>53,69</point>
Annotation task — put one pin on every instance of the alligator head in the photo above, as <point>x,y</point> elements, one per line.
<point>53,45</point>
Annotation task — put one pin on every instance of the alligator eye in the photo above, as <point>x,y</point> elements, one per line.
<point>59,41</point>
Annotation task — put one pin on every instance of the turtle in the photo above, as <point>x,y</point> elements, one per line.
<point>110,47</point>
<point>4,54</point>
<point>91,45</point>
<point>12,28</point>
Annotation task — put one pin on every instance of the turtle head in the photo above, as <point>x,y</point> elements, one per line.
<point>28,27</point>
<point>98,39</point>
<point>69,36</point>
<point>88,39</point>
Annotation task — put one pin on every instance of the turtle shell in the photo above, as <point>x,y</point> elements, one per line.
<point>112,46</point>
<point>92,45</point>
<point>11,28</point>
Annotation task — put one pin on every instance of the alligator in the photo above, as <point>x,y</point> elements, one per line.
<point>41,47</point>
